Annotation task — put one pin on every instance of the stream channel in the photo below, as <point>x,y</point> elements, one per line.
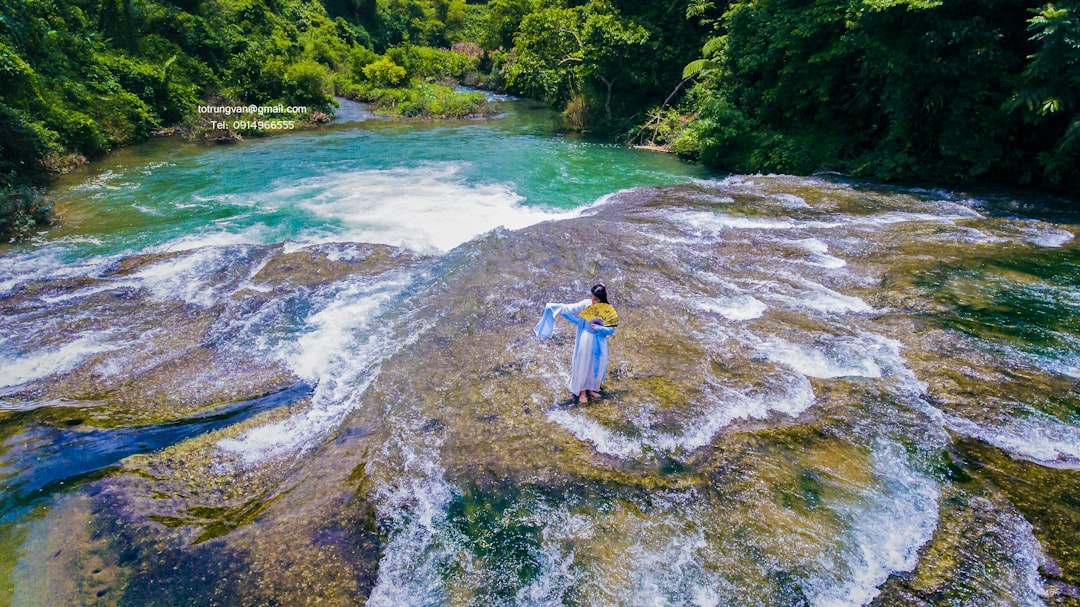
<point>300,370</point>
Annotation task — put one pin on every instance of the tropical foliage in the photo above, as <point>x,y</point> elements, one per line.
<point>959,91</point>
<point>954,92</point>
<point>80,77</point>
<point>950,91</point>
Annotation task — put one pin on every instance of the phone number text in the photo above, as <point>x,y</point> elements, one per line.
<point>264,125</point>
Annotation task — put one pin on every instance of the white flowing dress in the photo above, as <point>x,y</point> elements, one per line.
<point>589,365</point>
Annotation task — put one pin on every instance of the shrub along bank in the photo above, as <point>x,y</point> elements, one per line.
<point>81,77</point>
<point>959,92</point>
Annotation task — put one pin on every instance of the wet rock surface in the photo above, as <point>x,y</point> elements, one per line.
<point>819,394</point>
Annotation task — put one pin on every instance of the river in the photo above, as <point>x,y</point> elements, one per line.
<point>301,370</point>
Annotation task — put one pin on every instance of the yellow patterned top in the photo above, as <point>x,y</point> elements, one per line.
<point>602,311</point>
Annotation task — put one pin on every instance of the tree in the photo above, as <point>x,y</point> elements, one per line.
<point>590,50</point>
<point>543,58</point>
<point>610,47</point>
<point>502,21</point>
<point>1050,96</point>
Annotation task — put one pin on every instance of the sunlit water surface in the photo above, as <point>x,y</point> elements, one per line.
<point>301,370</point>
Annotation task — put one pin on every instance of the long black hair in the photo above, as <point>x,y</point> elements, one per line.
<point>599,291</point>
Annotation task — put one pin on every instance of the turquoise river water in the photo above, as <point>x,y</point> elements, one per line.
<point>300,370</point>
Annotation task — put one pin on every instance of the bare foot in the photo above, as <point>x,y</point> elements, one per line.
<point>582,399</point>
<point>594,395</point>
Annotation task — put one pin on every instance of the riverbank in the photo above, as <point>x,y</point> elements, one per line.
<point>25,211</point>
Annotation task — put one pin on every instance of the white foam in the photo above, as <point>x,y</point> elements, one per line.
<point>1039,438</point>
<point>330,338</point>
<point>556,576</point>
<point>554,581</point>
<point>1050,238</point>
<point>1028,557</point>
<point>339,351</point>
<point>186,277</point>
<point>429,208</point>
<point>589,430</point>
<point>898,516</point>
<point>594,207</point>
<point>819,253</point>
<point>288,437</point>
<point>842,359</point>
<point>666,557</point>
<point>146,209</point>
<point>895,217</point>
<point>350,253</point>
<point>743,307</point>
<point>812,245</point>
<point>18,370</point>
<point>821,299</point>
<point>971,235</point>
<point>713,223</point>
<point>222,234</point>
<point>827,301</point>
<point>112,367</point>
<point>712,198</point>
<point>867,355</point>
<point>662,560</point>
<point>727,407</point>
<point>665,568</point>
<point>50,262</point>
<point>962,208</point>
<point>413,503</point>
<point>790,201</point>
<point>704,222</point>
<point>101,182</point>
<point>731,182</point>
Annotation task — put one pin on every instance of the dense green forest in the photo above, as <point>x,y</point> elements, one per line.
<point>943,91</point>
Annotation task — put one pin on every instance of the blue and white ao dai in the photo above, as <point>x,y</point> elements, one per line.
<point>590,361</point>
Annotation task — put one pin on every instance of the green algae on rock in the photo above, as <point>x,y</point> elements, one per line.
<point>791,417</point>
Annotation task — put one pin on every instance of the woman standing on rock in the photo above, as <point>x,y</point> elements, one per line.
<point>595,320</point>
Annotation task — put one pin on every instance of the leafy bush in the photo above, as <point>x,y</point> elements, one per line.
<point>81,133</point>
<point>721,135</point>
<point>23,140</point>
<point>22,209</point>
<point>308,84</point>
<point>435,101</point>
<point>359,58</point>
<point>422,100</point>
<point>426,22</point>
<point>384,72</point>
<point>427,62</point>
<point>894,89</point>
<point>576,113</point>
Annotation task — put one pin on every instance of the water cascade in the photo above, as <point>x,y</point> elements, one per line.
<point>301,371</point>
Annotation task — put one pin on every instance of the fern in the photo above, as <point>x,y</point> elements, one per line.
<point>713,46</point>
<point>699,67</point>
